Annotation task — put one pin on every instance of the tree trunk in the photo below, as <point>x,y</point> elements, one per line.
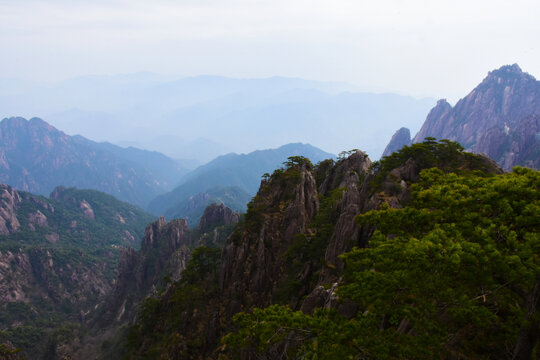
<point>530,331</point>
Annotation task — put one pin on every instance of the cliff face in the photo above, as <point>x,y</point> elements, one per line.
<point>9,201</point>
<point>166,249</point>
<point>498,118</point>
<point>252,261</point>
<point>164,252</point>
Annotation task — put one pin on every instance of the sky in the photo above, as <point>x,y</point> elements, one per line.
<point>439,49</point>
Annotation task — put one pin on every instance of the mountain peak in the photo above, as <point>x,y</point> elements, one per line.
<point>508,72</point>
<point>492,117</point>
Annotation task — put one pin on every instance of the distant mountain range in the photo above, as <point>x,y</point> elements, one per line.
<point>232,170</point>
<point>499,118</point>
<point>36,157</point>
<point>205,116</point>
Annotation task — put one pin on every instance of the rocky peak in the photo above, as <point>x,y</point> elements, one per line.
<point>160,228</point>
<point>339,175</point>
<point>400,138</point>
<point>252,259</point>
<point>217,215</point>
<point>351,172</point>
<point>506,73</point>
<point>483,120</point>
<point>433,126</point>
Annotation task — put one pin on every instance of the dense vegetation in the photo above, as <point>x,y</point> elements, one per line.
<point>456,274</point>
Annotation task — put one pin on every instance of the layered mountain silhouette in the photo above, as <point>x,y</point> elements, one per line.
<point>243,172</point>
<point>206,116</point>
<point>499,118</point>
<point>36,157</point>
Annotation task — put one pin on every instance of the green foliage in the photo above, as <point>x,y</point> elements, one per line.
<point>445,154</point>
<point>456,274</point>
<point>204,262</point>
<point>161,320</point>
<point>309,248</point>
<point>321,170</point>
<point>296,161</point>
<point>345,154</point>
<point>9,353</point>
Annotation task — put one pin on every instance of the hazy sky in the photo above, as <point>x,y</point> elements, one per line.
<point>433,48</point>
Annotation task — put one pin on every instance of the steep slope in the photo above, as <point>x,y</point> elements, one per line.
<point>498,118</point>
<point>286,250</point>
<point>162,259</point>
<point>243,171</point>
<point>36,157</point>
<point>58,260</point>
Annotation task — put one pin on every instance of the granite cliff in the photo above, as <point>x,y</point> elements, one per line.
<point>498,118</point>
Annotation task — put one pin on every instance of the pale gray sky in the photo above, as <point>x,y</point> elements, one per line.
<point>423,48</point>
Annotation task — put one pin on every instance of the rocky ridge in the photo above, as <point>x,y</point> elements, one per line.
<point>36,157</point>
<point>499,118</point>
<point>166,249</point>
<point>286,249</point>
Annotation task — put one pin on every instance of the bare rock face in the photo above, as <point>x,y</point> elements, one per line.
<point>33,275</point>
<point>520,146</point>
<point>37,218</point>
<point>401,138</point>
<point>251,265</point>
<point>217,215</point>
<point>163,252</point>
<point>498,118</point>
<point>9,200</point>
<point>87,209</point>
<point>352,171</point>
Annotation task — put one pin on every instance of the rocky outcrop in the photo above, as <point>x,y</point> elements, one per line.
<point>520,145</point>
<point>401,138</point>
<point>42,276</point>
<point>352,172</point>
<point>497,118</point>
<point>165,252</point>
<point>9,201</point>
<point>217,215</point>
<point>87,209</point>
<point>252,264</point>
<point>37,218</point>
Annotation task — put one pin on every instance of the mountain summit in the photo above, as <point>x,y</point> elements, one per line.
<point>36,157</point>
<point>499,118</point>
